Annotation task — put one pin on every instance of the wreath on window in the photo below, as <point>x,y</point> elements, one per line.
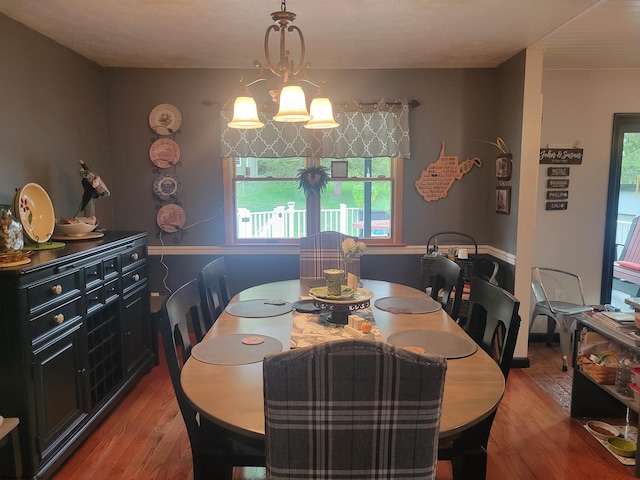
<point>313,179</point>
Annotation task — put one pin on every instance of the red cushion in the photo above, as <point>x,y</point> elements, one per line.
<point>630,265</point>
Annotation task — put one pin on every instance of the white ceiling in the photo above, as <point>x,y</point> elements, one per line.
<point>576,34</point>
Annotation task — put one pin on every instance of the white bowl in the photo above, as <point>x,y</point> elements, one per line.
<point>75,229</point>
<point>602,430</point>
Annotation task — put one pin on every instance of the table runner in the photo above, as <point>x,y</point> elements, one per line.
<point>259,308</point>
<point>309,329</point>
<point>407,304</point>
<point>230,350</point>
<point>435,342</point>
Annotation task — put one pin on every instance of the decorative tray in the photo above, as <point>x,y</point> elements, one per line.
<point>15,258</point>
<point>346,296</point>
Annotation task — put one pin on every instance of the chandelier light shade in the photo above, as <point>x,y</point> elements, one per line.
<point>321,114</point>
<point>245,114</point>
<point>289,94</point>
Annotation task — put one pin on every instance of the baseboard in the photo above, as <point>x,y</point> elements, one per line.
<point>542,338</point>
<point>520,362</point>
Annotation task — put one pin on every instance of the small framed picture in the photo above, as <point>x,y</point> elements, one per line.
<point>340,169</point>
<point>503,200</point>
<point>503,166</point>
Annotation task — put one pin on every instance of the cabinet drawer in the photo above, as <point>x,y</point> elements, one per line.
<point>50,293</point>
<point>55,318</point>
<point>101,296</point>
<point>98,272</point>
<point>133,255</point>
<point>134,278</point>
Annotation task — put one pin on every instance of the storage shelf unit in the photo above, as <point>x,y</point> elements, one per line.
<point>75,336</point>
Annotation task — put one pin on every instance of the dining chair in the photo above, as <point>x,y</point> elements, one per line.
<point>352,409</point>
<point>561,312</point>
<point>447,285</point>
<point>493,323</point>
<point>213,450</point>
<point>322,251</point>
<point>214,293</point>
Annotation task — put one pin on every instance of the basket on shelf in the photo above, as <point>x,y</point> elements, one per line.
<point>599,373</point>
<point>466,265</point>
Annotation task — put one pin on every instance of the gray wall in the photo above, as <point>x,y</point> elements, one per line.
<point>58,108</point>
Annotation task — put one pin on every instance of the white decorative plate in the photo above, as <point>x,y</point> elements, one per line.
<point>165,119</point>
<point>171,218</point>
<point>33,208</point>
<point>164,153</point>
<point>167,186</point>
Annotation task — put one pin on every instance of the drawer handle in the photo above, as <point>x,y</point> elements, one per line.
<point>59,318</point>
<point>135,277</point>
<point>56,289</point>
<point>135,256</point>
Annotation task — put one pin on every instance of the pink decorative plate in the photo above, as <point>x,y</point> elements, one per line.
<point>164,153</point>
<point>171,218</point>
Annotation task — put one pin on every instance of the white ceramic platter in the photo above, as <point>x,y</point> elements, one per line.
<point>171,218</point>
<point>165,119</point>
<point>164,153</point>
<point>34,209</point>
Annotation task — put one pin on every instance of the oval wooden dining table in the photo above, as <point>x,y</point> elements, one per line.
<point>231,395</point>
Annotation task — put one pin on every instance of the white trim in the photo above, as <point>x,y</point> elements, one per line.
<point>171,250</point>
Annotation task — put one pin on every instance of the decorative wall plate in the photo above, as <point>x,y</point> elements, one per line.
<point>165,119</point>
<point>33,208</point>
<point>167,186</point>
<point>164,153</point>
<point>171,218</point>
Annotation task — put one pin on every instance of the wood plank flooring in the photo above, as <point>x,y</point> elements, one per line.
<point>533,436</point>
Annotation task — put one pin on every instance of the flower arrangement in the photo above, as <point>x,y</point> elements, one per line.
<point>313,179</point>
<point>352,249</point>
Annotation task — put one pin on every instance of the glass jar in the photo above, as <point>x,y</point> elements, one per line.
<point>623,374</point>
<point>10,231</point>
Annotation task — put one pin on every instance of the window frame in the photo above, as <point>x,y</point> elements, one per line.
<point>312,206</point>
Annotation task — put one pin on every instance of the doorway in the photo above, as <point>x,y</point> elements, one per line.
<point>623,206</point>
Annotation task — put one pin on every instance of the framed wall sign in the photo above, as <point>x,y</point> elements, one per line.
<point>570,156</point>
<point>339,169</point>
<point>558,183</point>
<point>503,200</point>
<point>557,194</point>
<point>556,205</point>
<point>504,166</point>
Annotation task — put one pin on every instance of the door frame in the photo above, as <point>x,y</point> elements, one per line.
<point>622,123</point>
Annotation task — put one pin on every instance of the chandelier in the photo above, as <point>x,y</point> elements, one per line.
<point>290,95</point>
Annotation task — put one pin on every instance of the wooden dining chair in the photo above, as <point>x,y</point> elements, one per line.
<point>352,409</point>
<point>213,449</point>
<point>322,251</point>
<point>214,293</point>
<point>447,285</point>
<point>493,323</point>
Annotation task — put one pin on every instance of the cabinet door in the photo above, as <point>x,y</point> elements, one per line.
<point>137,327</point>
<point>59,389</point>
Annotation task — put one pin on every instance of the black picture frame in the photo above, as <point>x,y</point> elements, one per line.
<point>340,169</point>
<point>504,166</point>
<point>503,200</point>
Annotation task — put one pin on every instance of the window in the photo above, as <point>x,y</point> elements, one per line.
<point>264,204</point>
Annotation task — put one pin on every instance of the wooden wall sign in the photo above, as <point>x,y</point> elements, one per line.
<point>558,183</point>
<point>556,205</point>
<point>558,171</point>
<point>567,156</point>
<point>557,194</point>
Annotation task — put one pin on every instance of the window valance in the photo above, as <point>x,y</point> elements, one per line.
<point>367,129</point>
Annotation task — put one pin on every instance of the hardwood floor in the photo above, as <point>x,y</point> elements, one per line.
<point>533,436</point>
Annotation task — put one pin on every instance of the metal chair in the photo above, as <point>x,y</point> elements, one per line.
<point>352,409</point>
<point>559,311</point>
<point>214,293</point>
<point>213,449</point>
<point>324,250</point>
<point>448,285</point>
<point>493,323</point>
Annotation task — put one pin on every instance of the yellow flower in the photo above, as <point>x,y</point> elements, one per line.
<point>352,249</point>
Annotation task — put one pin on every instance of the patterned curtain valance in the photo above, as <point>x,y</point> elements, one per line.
<point>371,129</point>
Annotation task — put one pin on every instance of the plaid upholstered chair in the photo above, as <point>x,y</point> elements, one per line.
<point>352,409</point>
<point>321,251</point>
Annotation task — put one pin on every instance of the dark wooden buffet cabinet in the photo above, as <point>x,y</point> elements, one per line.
<point>75,336</point>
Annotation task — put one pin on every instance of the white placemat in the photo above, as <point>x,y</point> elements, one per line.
<point>230,350</point>
<point>407,304</point>
<point>435,342</point>
<point>259,308</point>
